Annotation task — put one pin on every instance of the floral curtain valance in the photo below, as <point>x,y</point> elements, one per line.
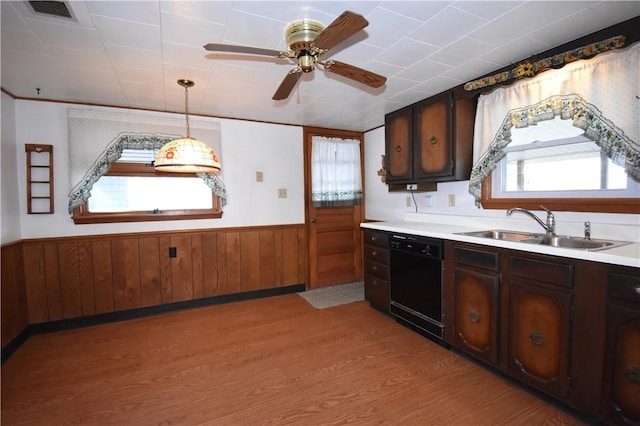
<point>336,179</point>
<point>599,95</point>
<point>98,137</point>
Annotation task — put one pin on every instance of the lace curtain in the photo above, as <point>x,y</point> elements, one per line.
<point>336,179</point>
<point>97,139</point>
<point>599,95</point>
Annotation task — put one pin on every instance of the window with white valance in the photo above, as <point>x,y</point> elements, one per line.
<point>336,178</point>
<point>599,96</point>
<point>97,139</point>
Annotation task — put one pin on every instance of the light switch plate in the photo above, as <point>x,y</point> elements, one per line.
<point>282,192</point>
<point>259,177</point>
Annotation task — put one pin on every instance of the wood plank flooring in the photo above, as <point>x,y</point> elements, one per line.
<point>270,361</point>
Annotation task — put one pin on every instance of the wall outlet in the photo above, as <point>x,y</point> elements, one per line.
<point>412,186</point>
<point>282,192</point>
<point>452,200</point>
<point>409,202</point>
<point>259,177</point>
<point>428,201</point>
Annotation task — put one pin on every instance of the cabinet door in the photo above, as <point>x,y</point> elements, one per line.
<point>621,402</point>
<point>539,337</point>
<point>433,148</point>
<point>476,313</point>
<point>398,145</point>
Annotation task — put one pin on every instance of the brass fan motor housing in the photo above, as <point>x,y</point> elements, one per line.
<point>301,34</point>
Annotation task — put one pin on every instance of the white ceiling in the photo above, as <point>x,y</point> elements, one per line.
<point>130,53</point>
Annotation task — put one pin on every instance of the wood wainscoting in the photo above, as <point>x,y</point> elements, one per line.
<point>15,317</point>
<point>75,277</point>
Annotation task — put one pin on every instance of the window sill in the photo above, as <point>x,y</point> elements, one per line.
<point>80,218</point>
<point>601,205</point>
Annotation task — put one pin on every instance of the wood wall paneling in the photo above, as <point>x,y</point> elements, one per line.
<point>165,269</point>
<point>69,280</point>
<point>150,282</point>
<point>181,269</point>
<point>268,266</point>
<point>104,298</point>
<point>35,283</point>
<point>85,272</point>
<point>72,277</point>
<point>196,266</point>
<point>54,296</point>
<point>232,260</point>
<point>126,273</point>
<point>250,260</point>
<point>15,314</point>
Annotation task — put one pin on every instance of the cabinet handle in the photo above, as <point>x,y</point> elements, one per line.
<point>374,268</point>
<point>375,283</point>
<point>536,338</point>
<point>433,140</point>
<point>374,238</point>
<point>398,149</point>
<point>374,253</point>
<point>474,316</point>
<point>633,375</point>
<point>637,289</point>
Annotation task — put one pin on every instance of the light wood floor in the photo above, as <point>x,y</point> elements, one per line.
<point>270,361</point>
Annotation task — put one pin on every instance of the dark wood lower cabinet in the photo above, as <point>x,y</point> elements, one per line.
<point>568,328</point>
<point>621,397</point>
<point>539,338</point>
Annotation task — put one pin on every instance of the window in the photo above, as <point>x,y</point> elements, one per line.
<point>555,164</point>
<point>598,97</point>
<point>132,190</point>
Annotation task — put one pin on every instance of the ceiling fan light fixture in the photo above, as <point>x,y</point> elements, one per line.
<point>187,155</point>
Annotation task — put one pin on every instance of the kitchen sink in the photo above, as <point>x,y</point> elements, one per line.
<point>577,243</point>
<point>498,234</point>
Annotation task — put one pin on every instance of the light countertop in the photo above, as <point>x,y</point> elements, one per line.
<point>627,255</point>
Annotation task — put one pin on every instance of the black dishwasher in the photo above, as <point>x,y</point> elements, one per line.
<point>415,285</point>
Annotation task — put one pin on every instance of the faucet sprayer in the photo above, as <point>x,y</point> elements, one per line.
<point>549,226</point>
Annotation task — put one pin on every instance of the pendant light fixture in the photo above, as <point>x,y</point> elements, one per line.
<point>187,155</point>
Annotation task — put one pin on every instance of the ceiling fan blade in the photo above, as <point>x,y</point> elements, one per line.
<point>341,29</point>
<point>287,85</point>
<point>354,73</point>
<point>217,47</point>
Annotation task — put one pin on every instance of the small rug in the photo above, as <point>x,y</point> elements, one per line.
<point>335,295</point>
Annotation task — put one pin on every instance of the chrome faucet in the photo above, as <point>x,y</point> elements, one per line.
<point>549,227</point>
<point>587,230</point>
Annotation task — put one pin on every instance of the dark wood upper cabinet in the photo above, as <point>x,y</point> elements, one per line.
<point>430,141</point>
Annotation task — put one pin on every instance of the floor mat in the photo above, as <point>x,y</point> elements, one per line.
<point>335,295</point>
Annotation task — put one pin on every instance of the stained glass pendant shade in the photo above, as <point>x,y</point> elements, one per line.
<point>187,155</point>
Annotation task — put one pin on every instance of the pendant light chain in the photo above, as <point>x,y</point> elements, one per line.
<point>186,108</point>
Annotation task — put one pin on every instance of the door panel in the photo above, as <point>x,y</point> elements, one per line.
<point>335,248</point>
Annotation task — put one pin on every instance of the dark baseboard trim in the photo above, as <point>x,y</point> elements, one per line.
<point>88,321</point>
<point>15,344</point>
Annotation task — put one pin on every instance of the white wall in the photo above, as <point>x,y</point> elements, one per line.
<point>247,147</point>
<point>9,207</point>
<point>383,205</point>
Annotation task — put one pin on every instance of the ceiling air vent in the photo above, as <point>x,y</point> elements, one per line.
<point>51,8</point>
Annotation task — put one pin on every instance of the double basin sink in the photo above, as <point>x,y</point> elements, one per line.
<point>547,240</point>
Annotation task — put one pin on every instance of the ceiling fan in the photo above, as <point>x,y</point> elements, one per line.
<point>307,40</point>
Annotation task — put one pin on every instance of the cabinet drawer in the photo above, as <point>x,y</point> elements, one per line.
<point>625,287</point>
<point>476,257</point>
<point>377,269</point>
<point>380,239</point>
<point>542,271</point>
<point>376,291</point>
<point>376,254</point>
